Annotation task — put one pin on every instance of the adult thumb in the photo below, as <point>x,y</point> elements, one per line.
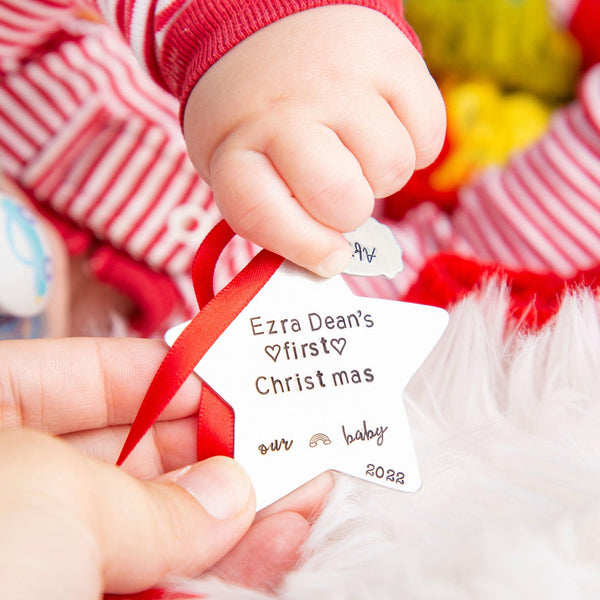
<point>73,527</point>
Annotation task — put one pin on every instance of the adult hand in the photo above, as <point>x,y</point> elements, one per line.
<point>73,526</point>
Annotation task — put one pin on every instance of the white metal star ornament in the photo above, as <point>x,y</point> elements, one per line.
<point>315,376</point>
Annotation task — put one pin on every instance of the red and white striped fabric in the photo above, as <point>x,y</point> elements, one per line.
<point>85,130</point>
<point>175,40</point>
<point>88,133</point>
<point>540,213</point>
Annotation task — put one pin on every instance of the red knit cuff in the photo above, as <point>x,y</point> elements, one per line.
<point>207,29</point>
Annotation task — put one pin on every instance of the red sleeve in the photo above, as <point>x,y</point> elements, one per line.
<point>205,30</point>
<point>175,40</point>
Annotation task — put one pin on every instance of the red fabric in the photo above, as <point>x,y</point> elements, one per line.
<point>204,329</point>
<point>154,294</point>
<point>419,189</point>
<point>585,26</point>
<point>153,594</point>
<point>534,298</point>
<point>77,240</point>
<point>207,29</point>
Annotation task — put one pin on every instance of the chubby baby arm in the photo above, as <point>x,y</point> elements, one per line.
<point>301,125</point>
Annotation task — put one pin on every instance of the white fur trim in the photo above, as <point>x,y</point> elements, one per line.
<point>507,430</point>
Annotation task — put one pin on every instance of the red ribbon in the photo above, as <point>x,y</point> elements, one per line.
<point>215,417</point>
<point>154,594</point>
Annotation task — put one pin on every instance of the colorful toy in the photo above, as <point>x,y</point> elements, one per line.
<point>515,43</point>
<point>519,170</point>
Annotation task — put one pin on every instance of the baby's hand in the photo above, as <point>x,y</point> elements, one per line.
<point>304,123</point>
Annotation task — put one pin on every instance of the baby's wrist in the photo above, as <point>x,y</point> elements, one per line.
<point>207,30</point>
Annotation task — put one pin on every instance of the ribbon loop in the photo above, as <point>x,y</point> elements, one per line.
<point>216,418</point>
<point>205,261</point>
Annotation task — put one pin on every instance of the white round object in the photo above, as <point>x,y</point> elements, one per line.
<point>25,261</point>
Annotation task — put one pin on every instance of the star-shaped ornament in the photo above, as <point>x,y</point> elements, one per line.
<point>315,377</point>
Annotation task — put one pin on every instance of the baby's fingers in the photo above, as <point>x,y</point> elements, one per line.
<point>417,102</point>
<point>380,142</point>
<point>259,206</point>
<point>324,175</point>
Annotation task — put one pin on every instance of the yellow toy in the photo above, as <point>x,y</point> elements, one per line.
<point>503,66</point>
<point>485,125</point>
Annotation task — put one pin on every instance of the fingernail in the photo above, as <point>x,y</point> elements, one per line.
<point>220,485</point>
<point>335,263</point>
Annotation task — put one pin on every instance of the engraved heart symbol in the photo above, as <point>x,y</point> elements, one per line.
<point>273,351</point>
<point>338,344</point>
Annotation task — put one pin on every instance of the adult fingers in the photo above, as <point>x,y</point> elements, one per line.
<point>271,548</point>
<point>63,386</point>
<point>259,206</point>
<point>169,445</point>
<point>273,545</point>
<point>73,527</point>
<point>307,500</point>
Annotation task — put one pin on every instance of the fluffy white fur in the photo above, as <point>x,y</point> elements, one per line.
<point>507,431</point>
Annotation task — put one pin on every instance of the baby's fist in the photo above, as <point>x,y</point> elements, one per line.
<point>304,123</point>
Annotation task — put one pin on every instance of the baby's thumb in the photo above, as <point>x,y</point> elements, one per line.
<point>74,524</point>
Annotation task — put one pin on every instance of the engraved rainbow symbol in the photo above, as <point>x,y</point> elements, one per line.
<point>319,437</point>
